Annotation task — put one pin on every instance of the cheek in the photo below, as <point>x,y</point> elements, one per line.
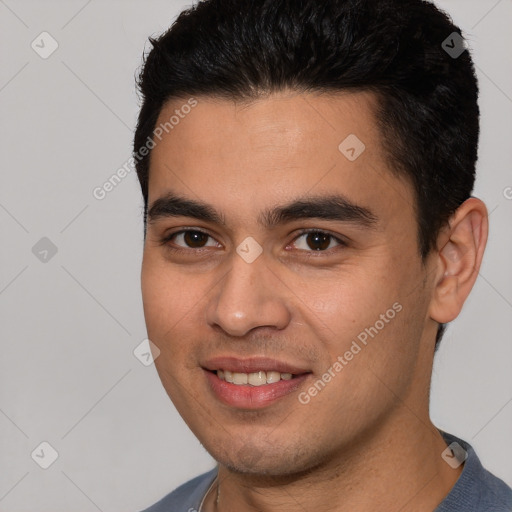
<point>372,366</point>
<point>169,307</point>
<point>352,302</point>
<point>372,321</point>
<point>169,299</point>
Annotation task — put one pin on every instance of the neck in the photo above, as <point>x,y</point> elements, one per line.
<point>400,467</point>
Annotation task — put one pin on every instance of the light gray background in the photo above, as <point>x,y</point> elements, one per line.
<point>67,372</point>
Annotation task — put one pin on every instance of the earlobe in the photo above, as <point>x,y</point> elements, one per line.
<point>459,256</point>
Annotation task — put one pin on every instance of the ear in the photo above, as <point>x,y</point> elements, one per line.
<point>459,255</point>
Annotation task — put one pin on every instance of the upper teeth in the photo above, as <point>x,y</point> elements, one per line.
<point>254,379</point>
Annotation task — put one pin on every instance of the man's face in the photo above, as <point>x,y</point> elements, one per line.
<point>353,290</point>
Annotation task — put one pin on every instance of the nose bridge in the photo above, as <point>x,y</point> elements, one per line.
<point>248,296</point>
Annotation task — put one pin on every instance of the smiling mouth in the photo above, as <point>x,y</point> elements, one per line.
<point>254,378</point>
<point>256,383</point>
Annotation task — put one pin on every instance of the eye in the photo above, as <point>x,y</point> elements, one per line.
<point>315,240</point>
<point>191,239</point>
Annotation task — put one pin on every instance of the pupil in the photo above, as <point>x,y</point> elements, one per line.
<point>195,238</point>
<point>318,238</point>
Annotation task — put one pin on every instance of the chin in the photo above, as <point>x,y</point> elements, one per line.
<point>271,462</point>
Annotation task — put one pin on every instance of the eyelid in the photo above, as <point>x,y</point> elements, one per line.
<point>338,238</point>
<point>167,237</point>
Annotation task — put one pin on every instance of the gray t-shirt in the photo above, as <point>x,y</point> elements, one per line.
<point>476,490</point>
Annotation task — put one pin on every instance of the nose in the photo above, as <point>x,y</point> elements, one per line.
<point>249,296</point>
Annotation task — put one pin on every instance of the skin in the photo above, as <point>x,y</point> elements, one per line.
<point>365,442</point>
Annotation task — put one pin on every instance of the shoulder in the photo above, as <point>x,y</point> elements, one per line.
<point>187,497</point>
<point>476,490</point>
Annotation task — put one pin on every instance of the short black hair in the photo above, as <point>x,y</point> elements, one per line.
<point>427,110</point>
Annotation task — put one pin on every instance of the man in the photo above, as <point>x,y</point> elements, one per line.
<point>307,169</point>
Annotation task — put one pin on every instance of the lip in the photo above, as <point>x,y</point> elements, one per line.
<point>252,365</point>
<point>252,397</point>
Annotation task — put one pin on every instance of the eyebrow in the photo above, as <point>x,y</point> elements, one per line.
<point>331,207</point>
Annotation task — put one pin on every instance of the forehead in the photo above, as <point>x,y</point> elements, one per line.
<point>248,156</point>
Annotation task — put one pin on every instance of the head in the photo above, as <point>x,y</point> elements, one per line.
<point>347,118</point>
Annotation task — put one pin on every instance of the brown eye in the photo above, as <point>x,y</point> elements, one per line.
<point>189,239</point>
<point>195,239</point>
<point>318,241</point>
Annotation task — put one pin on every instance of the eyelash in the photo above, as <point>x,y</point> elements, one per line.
<point>166,239</point>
